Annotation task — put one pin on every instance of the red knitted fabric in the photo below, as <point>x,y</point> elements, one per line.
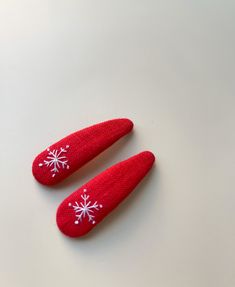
<point>67,155</point>
<point>88,205</point>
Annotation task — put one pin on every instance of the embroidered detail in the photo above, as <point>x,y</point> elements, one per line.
<point>56,160</point>
<point>84,209</point>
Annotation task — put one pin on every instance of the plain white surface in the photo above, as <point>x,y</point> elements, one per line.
<point>167,65</point>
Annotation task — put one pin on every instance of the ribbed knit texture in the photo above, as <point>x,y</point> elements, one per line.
<point>75,150</point>
<point>88,205</point>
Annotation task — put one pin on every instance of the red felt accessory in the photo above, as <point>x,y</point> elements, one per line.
<point>88,205</point>
<point>69,154</point>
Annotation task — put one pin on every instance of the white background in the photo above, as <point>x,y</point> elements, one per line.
<point>167,65</point>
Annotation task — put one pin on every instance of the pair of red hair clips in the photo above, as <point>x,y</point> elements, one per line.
<point>89,204</point>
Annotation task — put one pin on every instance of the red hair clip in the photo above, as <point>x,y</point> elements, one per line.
<point>69,154</point>
<point>87,206</point>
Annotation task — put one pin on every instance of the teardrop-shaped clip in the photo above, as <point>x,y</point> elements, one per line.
<point>88,205</point>
<point>69,154</point>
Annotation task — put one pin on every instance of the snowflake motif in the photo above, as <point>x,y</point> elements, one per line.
<point>56,160</point>
<point>85,209</point>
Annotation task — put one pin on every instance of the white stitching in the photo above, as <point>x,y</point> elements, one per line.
<point>85,209</point>
<point>56,159</point>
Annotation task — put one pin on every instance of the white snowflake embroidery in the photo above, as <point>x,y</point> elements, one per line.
<point>56,159</point>
<point>85,209</point>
